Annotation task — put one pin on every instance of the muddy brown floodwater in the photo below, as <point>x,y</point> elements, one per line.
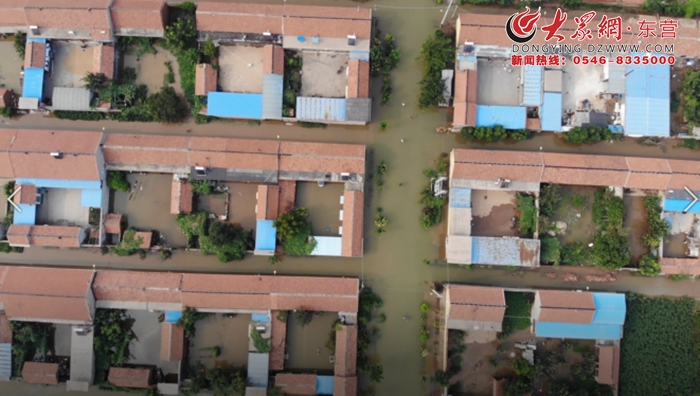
<point>393,263</point>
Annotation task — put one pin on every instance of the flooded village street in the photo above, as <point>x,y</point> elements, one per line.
<point>393,262</point>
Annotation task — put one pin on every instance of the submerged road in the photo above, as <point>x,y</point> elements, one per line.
<point>393,263</point>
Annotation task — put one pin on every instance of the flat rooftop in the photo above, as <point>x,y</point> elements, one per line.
<point>241,68</point>
<point>497,83</point>
<point>324,74</point>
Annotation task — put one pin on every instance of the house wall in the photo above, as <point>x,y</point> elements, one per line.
<point>536,307</point>
<point>90,297</point>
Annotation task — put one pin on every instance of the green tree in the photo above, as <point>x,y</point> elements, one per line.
<point>528,213</point>
<point>549,198</point>
<point>303,317</point>
<point>116,180</point>
<point>166,106</point>
<point>523,368</point>
<point>228,241</point>
<point>20,43</point>
<point>291,223</point>
<point>9,188</point>
<point>517,386</point>
<point>442,378</point>
<point>590,134</point>
<point>550,250</point>
<point>575,253</point>
<point>437,52</point>
<point>649,265</point>
<point>202,187</point>
<point>260,343</point>
<point>210,49</point>
<point>181,34</point>
<point>94,81</point>
<point>376,373</point>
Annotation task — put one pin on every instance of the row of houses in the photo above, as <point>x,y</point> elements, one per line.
<point>74,295</point>
<point>473,170</point>
<point>73,166</point>
<point>555,314</point>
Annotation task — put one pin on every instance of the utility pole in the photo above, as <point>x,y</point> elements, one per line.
<point>446,11</point>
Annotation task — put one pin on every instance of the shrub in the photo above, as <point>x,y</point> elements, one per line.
<point>193,225</point>
<point>649,265</point>
<point>383,125</point>
<point>94,81</point>
<point>170,75</point>
<point>129,245</point>
<point>571,4</point>
<point>8,188</point>
<point>658,228</point>
<point>166,254</point>
<point>282,316</point>
<point>79,115</point>
<point>383,55</point>
<point>441,378</point>
<point>312,125</point>
<point>590,134</point>
<point>692,144</point>
<point>210,49</point>
<point>575,253</point>
<point>610,245</point>
<point>291,223</point>
<point>301,244</point>
<point>437,52</point>
<point>202,187</point>
<point>188,320</point>
<point>528,213</point>
<point>549,198</point>
<point>550,250</point>
<point>113,335</point>
<point>7,112</point>
<point>303,317</point>
<point>116,180</point>
<point>523,368</point>
<point>494,134</point>
<point>260,343</point>
<point>166,106</point>
<point>424,307</point>
<point>228,241</point>
<point>517,315</point>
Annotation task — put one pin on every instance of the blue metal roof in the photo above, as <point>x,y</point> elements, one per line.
<point>273,85</point>
<point>33,86</point>
<point>235,105</point>
<point>328,246</point>
<point>578,331</point>
<point>504,251</point>
<point>258,369</point>
<point>532,85</point>
<point>172,316</point>
<point>361,55</point>
<point>510,117</point>
<point>551,112</point>
<point>265,235</point>
<point>260,318</point>
<point>37,40</point>
<point>678,205</point>
<point>27,216</point>
<point>460,197</point>
<point>74,184</point>
<point>91,198</point>
<point>324,385</point>
<point>321,109</point>
<point>610,308</point>
<point>647,98</point>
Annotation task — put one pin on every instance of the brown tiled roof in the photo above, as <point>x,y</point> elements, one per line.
<point>464,114</point>
<point>290,20</point>
<point>44,235</point>
<point>488,29</point>
<point>676,266</point>
<point>27,195</point>
<point>608,364</point>
<point>37,308</point>
<point>130,377</point>
<point>346,351</point>
<point>181,197</point>
<point>64,282</point>
<point>34,55</point>
<point>92,18</point>
<point>40,373</point>
<point>152,287</point>
<point>139,14</point>
<point>353,216</point>
<point>103,60</point>
<point>266,292</point>
<point>577,169</point>
<point>533,124</point>
<point>477,303</point>
<point>206,79</point>
<point>297,384</point>
<point>18,234</point>
<point>12,13</point>
<point>358,79</point>
<point>29,152</point>
<point>5,329</point>
<point>113,223</point>
<point>273,59</point>
<point>268,202</point>
<point>243,18</point>
<point>147,239</point>
<point>5,97</point>
<point>172,342</point>
<point>277,342</point>
<point>566,306</point>
<point>344,386</point>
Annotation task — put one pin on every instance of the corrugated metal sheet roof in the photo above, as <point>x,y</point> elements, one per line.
<point>610,308</point>
<point>616,78</point>
<point>321,109</point>
<point>6,360</point>
<point>235,105</point>
<point>33,86</point>
<point>27,216</point>
<point>91,198</point>
<point>258,367</point>
<point>358,109</point>
<point>648,111</point>
<point>460,197</point>
<point>71,99</point>
<point>57,183</point>
<point>506,251</point>
<point>532,85</point>
<point>273,85</point>
<point>328,246</point>
<point>324,385</point>
<point>679,205</point>
<point>578,331</point>
<point>361,55</point>
<point>551,112</point>
<point>265,235</point>
<point>510,117</point>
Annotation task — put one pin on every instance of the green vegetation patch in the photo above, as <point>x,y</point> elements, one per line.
<point>113,335</point>
<point>437,53</point>
<point>590,134</point>
<point>116,180</point>
<point>528,213</point>
<point>494,134</point>
<point>610,245</point>
<point>517,316</point>
<point>660,347</point>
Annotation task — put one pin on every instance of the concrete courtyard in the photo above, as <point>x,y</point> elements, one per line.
<point>241,68</point>
<point>72,61</point>
<point>324,74</point>
<point>62,207</point>
<point>497,83</point>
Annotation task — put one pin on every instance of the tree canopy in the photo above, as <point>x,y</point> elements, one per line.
<point>166,106</point>
<point>291,223</point>
<point>228,241</point>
